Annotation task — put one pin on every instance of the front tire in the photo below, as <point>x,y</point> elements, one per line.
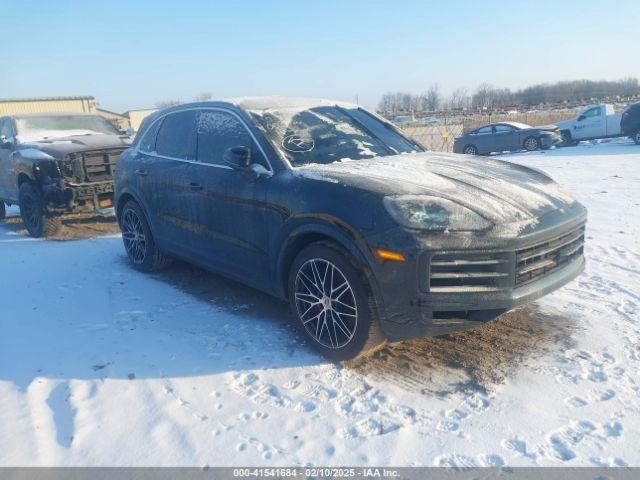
<point>138,240</point>
<point>3,211</point>
<point>332,302</point>
<point>34,217</point>
<point>470,150</point>
<point>531,144</point>
<point>636,137</point>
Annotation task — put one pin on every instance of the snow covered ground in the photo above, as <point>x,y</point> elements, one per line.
<point>101,365</point>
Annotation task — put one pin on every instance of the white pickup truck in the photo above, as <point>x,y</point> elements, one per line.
<point>596,121</point>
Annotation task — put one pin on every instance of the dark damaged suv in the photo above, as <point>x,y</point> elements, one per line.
<point>331,207</point>
<point>56,163</point>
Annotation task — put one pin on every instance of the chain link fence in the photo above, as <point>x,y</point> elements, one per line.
<point>439,135</point>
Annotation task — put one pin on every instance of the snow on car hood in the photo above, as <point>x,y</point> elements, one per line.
<point>502,192</point>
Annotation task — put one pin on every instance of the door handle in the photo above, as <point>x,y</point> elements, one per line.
<point>195,186</point>
<point>142,173</point>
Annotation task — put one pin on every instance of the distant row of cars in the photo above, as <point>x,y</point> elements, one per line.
<point>596,121</point>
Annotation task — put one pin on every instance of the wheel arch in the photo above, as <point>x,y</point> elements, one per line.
<point>22,178</point>
<point>121,201</point>
<point>302,235</point>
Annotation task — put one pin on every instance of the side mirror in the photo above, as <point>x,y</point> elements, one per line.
<point>581,118</point>
<point>238,158</point>
<point>128,132</point>
<point>5,142</point>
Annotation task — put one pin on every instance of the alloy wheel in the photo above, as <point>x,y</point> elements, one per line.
<point>471,150</point>
<point>531,144</point>
<point>134,237</point>
<point>325,303</point>
<point>636,138</point>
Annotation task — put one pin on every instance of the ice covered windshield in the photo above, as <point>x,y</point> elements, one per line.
<point>35,128</point>
<point>327,134</point>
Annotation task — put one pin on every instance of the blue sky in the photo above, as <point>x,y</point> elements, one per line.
<point>132,54</point>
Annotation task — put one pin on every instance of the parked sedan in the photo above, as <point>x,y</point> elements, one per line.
<point>506,136</point>
<point>368,236</point>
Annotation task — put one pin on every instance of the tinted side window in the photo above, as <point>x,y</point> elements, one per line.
<point>592,112</point>
<point>148,142</point>
<point>218,131</point>
<point>175,134</point>
<point>504,128</point>
<point>484,130</point>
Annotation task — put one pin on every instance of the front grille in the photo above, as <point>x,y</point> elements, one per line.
<point>94,166</point>
<point>482,271</point>
<point>468,272</point>
<point>546,257</point>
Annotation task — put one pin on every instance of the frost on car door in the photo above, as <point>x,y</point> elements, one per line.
<point>229,207</point>
<point>162,176</point>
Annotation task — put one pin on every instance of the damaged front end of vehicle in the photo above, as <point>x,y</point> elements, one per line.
<point>79,182</point>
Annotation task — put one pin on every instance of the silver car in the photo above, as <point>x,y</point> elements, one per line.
<point>506,136</point>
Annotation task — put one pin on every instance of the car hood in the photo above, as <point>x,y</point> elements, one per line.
<point>511,196</point>
<point>546,128</point>
<point>59,147</point>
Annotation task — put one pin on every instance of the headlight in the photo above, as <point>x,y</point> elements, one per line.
<point>433,213</point>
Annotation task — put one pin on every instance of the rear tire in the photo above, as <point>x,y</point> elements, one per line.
<point>34,217</point>
<point>470,150</point>
<point>138,240</point>
<point>3,211</point>
<point>332,302</point>
<point>531,144</point>
<point>636,137</point>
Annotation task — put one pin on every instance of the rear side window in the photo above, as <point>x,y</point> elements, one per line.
<point>148,142</point>
<point>504,128</point>
<point>174,136</point>
<point>218,131</point>
<point>484,131</point>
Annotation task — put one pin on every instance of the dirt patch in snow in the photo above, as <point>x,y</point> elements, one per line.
<point>74,226</point>
<point>475,360</point>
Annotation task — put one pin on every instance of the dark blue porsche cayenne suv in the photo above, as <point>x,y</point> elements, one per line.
<point>367,235</point>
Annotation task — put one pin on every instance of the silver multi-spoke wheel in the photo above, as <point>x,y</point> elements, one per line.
<point>470,150</point>
<point>325,303</point>
<point>531,144</point>
<point>133,236</point>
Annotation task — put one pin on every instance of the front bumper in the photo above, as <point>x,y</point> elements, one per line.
<point>61,196</point>
<point>548,141</point>
<point>410,307</point>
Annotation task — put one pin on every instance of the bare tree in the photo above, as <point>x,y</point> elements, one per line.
<point>167,103</point>
<point>432,98</point>
<point>203,97</point>
<point>459,99</point>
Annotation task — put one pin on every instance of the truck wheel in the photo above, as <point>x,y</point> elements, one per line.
<point>34,217</point>
<point>138,241</point>
<point>332,302</point>
<point>3,211</point>
<point>470,150</point>
<point>636,137</point>
<point>531,143</point>
<point>567,139</point>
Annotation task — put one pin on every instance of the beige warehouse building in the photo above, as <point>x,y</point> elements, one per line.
<point>84,104</point>
<point>16,106</point>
